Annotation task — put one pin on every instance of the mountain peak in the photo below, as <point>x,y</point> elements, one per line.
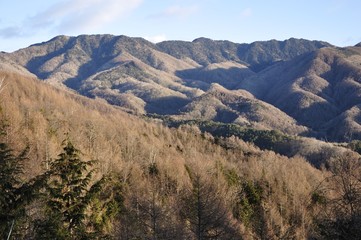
<point>215,87</point>
<point>202,40</point>
<point>57,39</point>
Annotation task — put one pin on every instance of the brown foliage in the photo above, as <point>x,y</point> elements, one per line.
<point>153,164</point>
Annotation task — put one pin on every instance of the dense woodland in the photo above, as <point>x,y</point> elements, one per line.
<point>76,168</point>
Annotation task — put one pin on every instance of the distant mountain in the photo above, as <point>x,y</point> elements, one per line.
<point>130,72</point>
<point>296,86</point>
<point>257,55</point>
<point>316,89</point>
<point>240,107</point>
<point>145,166</point>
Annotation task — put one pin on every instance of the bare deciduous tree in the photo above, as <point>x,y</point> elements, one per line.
<point>341,217</point>
<point>205,211</point>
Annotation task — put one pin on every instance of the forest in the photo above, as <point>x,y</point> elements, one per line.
<point>78,168</point>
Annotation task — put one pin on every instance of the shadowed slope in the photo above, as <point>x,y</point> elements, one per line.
<point>169,78</point>
<point>240,107</point>
<point>314,88</point>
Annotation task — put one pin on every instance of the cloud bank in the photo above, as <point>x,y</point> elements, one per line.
<point>176,11</point>
<point>73,16</point>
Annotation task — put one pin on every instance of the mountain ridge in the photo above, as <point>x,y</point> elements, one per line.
<point>140,156</point>
<point>301,82</point>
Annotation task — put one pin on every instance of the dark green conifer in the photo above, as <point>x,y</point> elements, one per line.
<point>11,194</point>
<point>69,192</point>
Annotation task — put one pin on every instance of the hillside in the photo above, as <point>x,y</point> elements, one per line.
<point>257,55</point>
<point>156,177</point>
<point>39,115</point>
<point>296,86</point>
<point>168,78</point>
<point>240,107</point>
<point>319,89</point>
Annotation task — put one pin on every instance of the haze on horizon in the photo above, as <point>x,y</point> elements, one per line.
<point>245,21</point>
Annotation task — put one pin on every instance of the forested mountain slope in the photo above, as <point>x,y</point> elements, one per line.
<point>296,86</point>
<point>320,89</point>
<point>153,179</point>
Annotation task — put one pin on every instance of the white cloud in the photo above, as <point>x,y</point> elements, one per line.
<point>74,16</point>
<point>10,32</point>
<point>176,11</point>
<point>156,38</point>
<point>93,14</point>
<point>247,12</point>
<point>349,41</point>
<point>335,6</point>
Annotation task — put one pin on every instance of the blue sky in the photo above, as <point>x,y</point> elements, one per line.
<point>242,21</point>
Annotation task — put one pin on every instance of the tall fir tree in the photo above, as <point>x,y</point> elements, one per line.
<point>69,193</point>
<point>11,194</point>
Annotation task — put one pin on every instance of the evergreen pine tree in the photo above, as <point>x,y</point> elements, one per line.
<point>16,194</point>
<point>69,193</point>
<point>11,201</point>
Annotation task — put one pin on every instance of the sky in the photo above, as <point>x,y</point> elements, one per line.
<point>24,22</point>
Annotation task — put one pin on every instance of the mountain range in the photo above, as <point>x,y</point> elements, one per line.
<point>149,168</point>
<point>296,86</point>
